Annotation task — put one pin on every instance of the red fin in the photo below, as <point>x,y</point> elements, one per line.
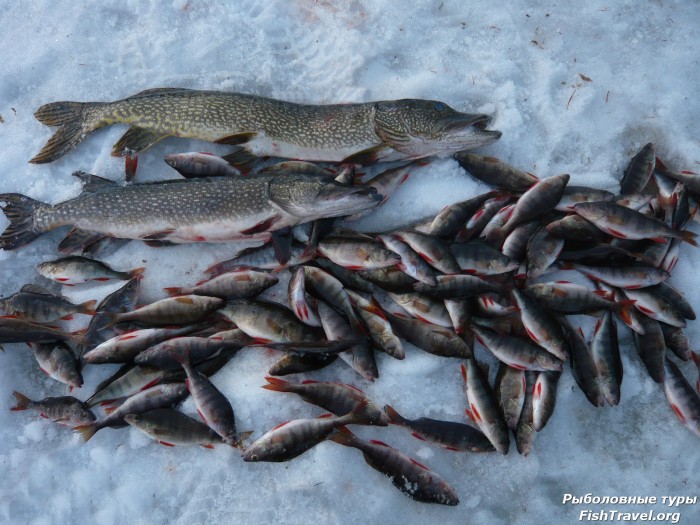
<point>418,464</point>
<point>131,164</point>
<point>102,279</point>
<point>464,373</point>
<point>125,337</point>
<point>417,436</point>
<point>662,240</point>
<point>260,227</point>
<point>151,384</point>
<point>166,443</point>
<point>173,291</point>
<point>452,449</point>
<point>210,446</point>
<point>380,443</point>
<point>538,390</point>
<point>324,416</point>
<point>678,412</point>
<point>276,385</point>
<point>109,410</point>
<point>469,413</point>
<point>68,317</point>
<point>307,381</point>
<point>689,237</point>
<point>616,233</point>
<point>645,310</point>
<point>476,413</point>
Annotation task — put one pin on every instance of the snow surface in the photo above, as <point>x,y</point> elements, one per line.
<point>525,64</point>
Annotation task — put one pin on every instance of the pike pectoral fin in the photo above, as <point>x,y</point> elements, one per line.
<point>368,156</point>
<point>237,138</point>
<point>157,239</point>
<point>136,139</point>
<point>282,245</point>
<point>261,227</point>
<point>78,240</point>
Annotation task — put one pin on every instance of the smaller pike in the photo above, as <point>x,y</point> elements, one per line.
<point>170,427</point>
<point>292,438</point>
<point>449,435</point>
<point>410,477</point>
<point>338,398</point>
<point>65,410</point>
<point>73,270</point>
<point>496,172</point>
<point>243,284</point>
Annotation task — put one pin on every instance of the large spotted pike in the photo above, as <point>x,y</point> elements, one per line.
<point>216,209</point>
<point>367,132</point>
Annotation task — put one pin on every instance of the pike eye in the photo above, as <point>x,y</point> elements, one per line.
<point>440,106</point>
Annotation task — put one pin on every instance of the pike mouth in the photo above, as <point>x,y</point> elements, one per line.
<point>476,124</point>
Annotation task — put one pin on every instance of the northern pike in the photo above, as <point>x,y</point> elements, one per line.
<point>369,132</point>
<point>217,209</point>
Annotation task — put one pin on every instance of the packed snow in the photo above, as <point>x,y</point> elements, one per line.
<point>575,87</point>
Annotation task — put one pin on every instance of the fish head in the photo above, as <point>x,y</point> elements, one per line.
<point>421,128</point>
<point>310,197</point>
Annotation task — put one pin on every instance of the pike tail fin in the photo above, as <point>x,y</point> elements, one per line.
<point>19,210</point>
<point>70,116</point>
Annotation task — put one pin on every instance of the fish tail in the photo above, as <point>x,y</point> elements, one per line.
<point>137,273</point>
<point>174,291</point>
<point>359,415</point>
<point>689,237</point>
<point>342,436</point>
<point>394,416</point>
<point>23,402</point>
<point>277,385</point>
<point>71,117</point>
<point>86,431</point>
<point>88,307</point>
<point>20,210</point>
